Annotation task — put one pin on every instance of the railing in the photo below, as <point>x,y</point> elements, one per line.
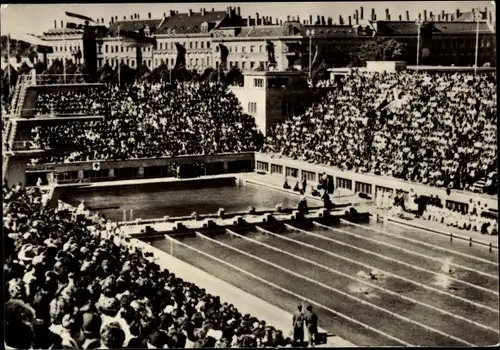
<point>47,79</point>
<point>11,136</point>
<point>5,164</point>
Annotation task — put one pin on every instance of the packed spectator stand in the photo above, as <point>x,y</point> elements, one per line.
<point>149,120</point>
<point>73,285</point>
<point>436,129</point>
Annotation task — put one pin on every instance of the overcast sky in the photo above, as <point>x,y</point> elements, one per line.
<point>36,18</point>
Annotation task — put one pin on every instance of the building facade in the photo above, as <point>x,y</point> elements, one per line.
<point>445,39</point>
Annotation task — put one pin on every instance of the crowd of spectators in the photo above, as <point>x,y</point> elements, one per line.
<point>475,217</point>
<point>74,286</point>
<point>149,120</point>
<point>472,219</point>
<point>436,129</point>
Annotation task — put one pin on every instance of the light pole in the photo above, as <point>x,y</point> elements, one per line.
<point>419,24</point>
<point>477,18</point>
<point>310,34</point>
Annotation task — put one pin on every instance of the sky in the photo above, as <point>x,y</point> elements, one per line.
<point>36,18</point>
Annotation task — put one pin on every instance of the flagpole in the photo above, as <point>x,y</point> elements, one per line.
<point>477,42</point>
<point>119,65</point>
<point>8,61</point>
<point>64,58</point>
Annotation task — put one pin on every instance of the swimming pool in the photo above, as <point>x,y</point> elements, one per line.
<point>414,300</point>
<point>156,200</point>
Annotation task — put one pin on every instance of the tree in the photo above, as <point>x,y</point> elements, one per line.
<point>381,49</point>
<point>206,74</point>
<point>320,73</point>
<point>234,76</point>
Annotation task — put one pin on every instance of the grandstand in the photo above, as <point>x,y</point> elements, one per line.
<point>418,273</point>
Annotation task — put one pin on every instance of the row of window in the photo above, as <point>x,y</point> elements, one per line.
<point>460,43</point>
<point>131,62</point>
<point>65,48</point>
<point>243,48</point>
<point>243,64</point>
<point>119,48</point>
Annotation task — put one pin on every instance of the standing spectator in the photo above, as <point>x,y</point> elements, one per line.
<point>311,320</point>
<point>298,326</point>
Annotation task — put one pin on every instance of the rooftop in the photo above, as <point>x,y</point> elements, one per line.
<point>188,23</point>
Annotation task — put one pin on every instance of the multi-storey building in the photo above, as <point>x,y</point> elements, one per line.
<point>445,39</point>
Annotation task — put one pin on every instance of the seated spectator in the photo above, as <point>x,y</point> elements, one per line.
<point>440,132</point>
<point>83,288</point>
<point>149,120</point>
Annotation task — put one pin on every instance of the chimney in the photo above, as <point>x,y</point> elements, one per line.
<point>485,13</point>
<point>190,13</point>
<point>387,15</point>
<point>373,17</point>
<point>238,11</point>
<point>490,17</point>
<point>323,22</point>
<point>356,16</point>
<point>149,15</point>
<point>102,20</point>
<point>124,18</point>
<point>400,18</point>
<point>310,20</point>
<point>330,21</point>
<point>229,12</point>
<point>288,18</point>
<point>277,21</point>
<point>172,13</point>
<point>407,15</point>
<point>270,20</point>
<point>318,22</point>
<point>452,17</point>
<point>341,20</point>
<point>458,13</point>
<point>249,21</point>
<point>425,15</point>
<point>202,11</point>
<point>420,17</point>
<point>350,22</point>
<point>131,17</point>
<point>281,22</point>
<point>257,18</point>
<point>431,16</point>
<point>55,24</point>
<point>62,24</point>
<point>362,13</point>
<point>298,19</point>
<point>442,14</point>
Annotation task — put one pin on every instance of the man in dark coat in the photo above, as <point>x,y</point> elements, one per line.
<point>298,326</point>
<point>311,320</point>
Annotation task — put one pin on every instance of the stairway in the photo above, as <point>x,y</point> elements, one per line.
<point>5,164</point>
<point>11,136</point>
<point>13,102</point>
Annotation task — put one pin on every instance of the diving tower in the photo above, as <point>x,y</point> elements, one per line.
<point>18,148</point>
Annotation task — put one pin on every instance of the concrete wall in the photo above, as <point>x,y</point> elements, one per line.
<point>108,170</point>
<point>374,181</point>
<point>385,66</point>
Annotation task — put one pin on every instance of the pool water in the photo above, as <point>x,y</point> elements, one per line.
<point>157,200</point>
